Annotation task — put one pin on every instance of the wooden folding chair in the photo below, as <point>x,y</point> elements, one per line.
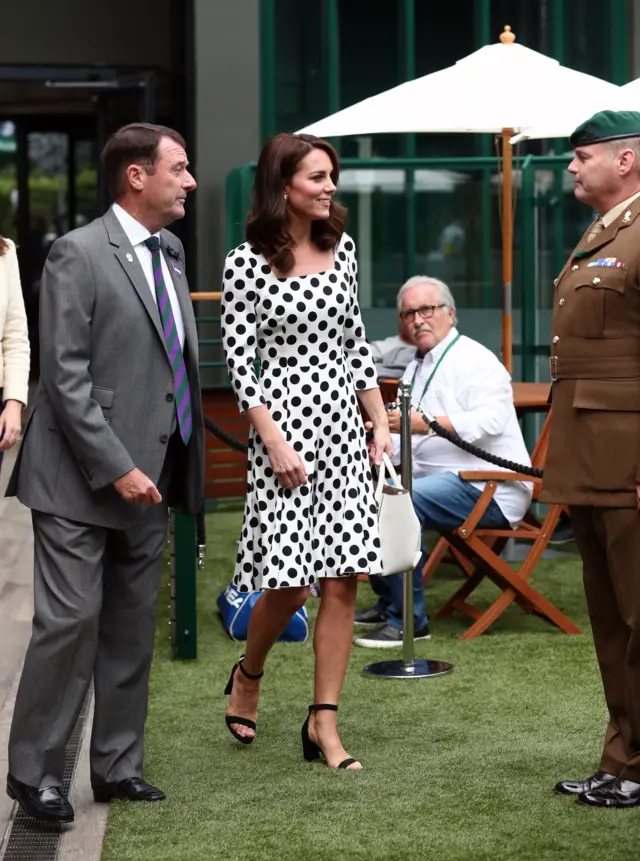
<point>477,552</point>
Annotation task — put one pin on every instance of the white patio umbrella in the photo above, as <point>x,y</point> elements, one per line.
<point>625,98</point>
<point>501,88</point>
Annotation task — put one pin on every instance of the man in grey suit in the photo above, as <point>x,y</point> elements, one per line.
<point>116,436</point>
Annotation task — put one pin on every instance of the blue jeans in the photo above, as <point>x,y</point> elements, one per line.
<point>442,502</point>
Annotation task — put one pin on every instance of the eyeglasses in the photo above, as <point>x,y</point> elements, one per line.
<point>426,312</point>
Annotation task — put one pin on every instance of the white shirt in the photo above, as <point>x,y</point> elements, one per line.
<point>473,389</point>
<point>136,234</point>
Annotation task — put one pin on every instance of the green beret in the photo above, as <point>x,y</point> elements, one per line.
<point>607,126</point>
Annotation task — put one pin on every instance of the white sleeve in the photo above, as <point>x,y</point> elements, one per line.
<point>486,402</point>
<point>238,316</point>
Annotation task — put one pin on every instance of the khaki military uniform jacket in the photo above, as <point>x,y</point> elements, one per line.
<point>594,445</point>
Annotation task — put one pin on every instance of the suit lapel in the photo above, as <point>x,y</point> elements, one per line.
<point>128,259</point>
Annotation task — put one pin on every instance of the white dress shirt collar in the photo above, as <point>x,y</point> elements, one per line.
<point>136,232</point>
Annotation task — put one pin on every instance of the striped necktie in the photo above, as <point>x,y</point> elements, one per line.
<point>596,228</point>
<point>182,391</point>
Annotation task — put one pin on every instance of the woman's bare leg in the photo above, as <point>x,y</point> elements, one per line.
<point>269,618</point>
<point>332,645</point>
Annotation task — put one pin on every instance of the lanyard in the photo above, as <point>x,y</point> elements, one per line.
<point>432,374</point>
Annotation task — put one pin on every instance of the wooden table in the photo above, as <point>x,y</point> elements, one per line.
<point>531,397</point>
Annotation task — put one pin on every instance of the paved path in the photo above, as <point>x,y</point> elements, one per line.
<point>83,840</point>
<point>16,609</point>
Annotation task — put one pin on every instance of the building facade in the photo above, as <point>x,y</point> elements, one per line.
<point>228,73</point>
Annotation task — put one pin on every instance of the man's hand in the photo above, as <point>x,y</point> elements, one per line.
<point>135,487</point>
<point>417,422</point>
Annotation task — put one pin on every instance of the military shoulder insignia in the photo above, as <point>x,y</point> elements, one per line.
<point>626,218</point>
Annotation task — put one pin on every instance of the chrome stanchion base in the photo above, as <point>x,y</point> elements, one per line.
<point>418,669</point>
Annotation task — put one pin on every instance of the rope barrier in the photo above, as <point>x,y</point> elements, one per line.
<point>225,437</point>
<point>201,530</point>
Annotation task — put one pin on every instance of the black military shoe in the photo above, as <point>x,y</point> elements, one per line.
<point>47,804</point>
<point>131,788</point>
<point>620,793</point>
<point>576,787</point>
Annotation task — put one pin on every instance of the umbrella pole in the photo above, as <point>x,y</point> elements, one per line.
<point>507,249</point>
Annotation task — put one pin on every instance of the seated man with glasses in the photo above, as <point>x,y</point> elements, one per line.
<point>393,354</point>
<point>466,388</point>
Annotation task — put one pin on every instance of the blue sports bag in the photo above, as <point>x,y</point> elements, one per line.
<point>235,608</point>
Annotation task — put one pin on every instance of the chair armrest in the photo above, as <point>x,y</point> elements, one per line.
<point>496,475</point>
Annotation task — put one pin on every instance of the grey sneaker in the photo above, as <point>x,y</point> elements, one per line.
<point>369,617</point>
<point>388,637</point>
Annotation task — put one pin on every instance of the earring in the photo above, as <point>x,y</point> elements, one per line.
<point>286,197</point>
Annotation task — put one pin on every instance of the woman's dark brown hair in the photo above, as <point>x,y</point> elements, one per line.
<point>267,226</point>
<point>4,245</point>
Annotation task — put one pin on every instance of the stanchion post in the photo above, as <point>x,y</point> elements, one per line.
<point>183,587</point>
<point>406,456</point>
<point>409,667</point>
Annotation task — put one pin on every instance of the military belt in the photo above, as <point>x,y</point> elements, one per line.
<point>602,368</point>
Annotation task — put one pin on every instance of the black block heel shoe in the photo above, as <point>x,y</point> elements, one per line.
<point>311,750</point>
<point>230,719</point>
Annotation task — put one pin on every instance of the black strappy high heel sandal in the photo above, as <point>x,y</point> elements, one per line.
<point>311,750</point>
<point>236,718</point>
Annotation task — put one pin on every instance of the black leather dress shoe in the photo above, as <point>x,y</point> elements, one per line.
<point>131,788</point>
<point>369,617</point>
<point>620,793</point>
<point>576,787</point>
<point>47,804</point>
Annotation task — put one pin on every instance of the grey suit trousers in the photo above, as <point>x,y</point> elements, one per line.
<point>96,596</point>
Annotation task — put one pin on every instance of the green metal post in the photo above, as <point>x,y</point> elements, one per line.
<point>529,288</point>
<point>267,68</point>
<point>557,25</point>
<point>408,73</point>
<point>482,30</point>
<point>620,26</point>
<point>529,270</point>
<point>183,587</point>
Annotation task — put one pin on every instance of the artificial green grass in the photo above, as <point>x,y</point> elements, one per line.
<point>456,768</point>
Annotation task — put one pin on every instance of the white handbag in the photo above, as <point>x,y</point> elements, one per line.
<point>398,524</point>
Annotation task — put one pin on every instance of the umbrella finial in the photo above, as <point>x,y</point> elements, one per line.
<point>507,38</point>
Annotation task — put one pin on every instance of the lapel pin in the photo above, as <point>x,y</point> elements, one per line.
<point>130,258</point>
<point>627,216</point>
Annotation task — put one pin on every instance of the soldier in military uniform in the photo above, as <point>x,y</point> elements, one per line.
<point>593,462</point>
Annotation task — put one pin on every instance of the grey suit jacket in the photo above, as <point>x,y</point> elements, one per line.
<point>105,400</point>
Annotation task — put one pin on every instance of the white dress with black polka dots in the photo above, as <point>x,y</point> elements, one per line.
<point>308,335</point>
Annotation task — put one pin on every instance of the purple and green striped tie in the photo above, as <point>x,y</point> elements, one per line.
<point>182,391</point>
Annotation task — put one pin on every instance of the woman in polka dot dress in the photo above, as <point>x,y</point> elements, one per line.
<point>290,300</point>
